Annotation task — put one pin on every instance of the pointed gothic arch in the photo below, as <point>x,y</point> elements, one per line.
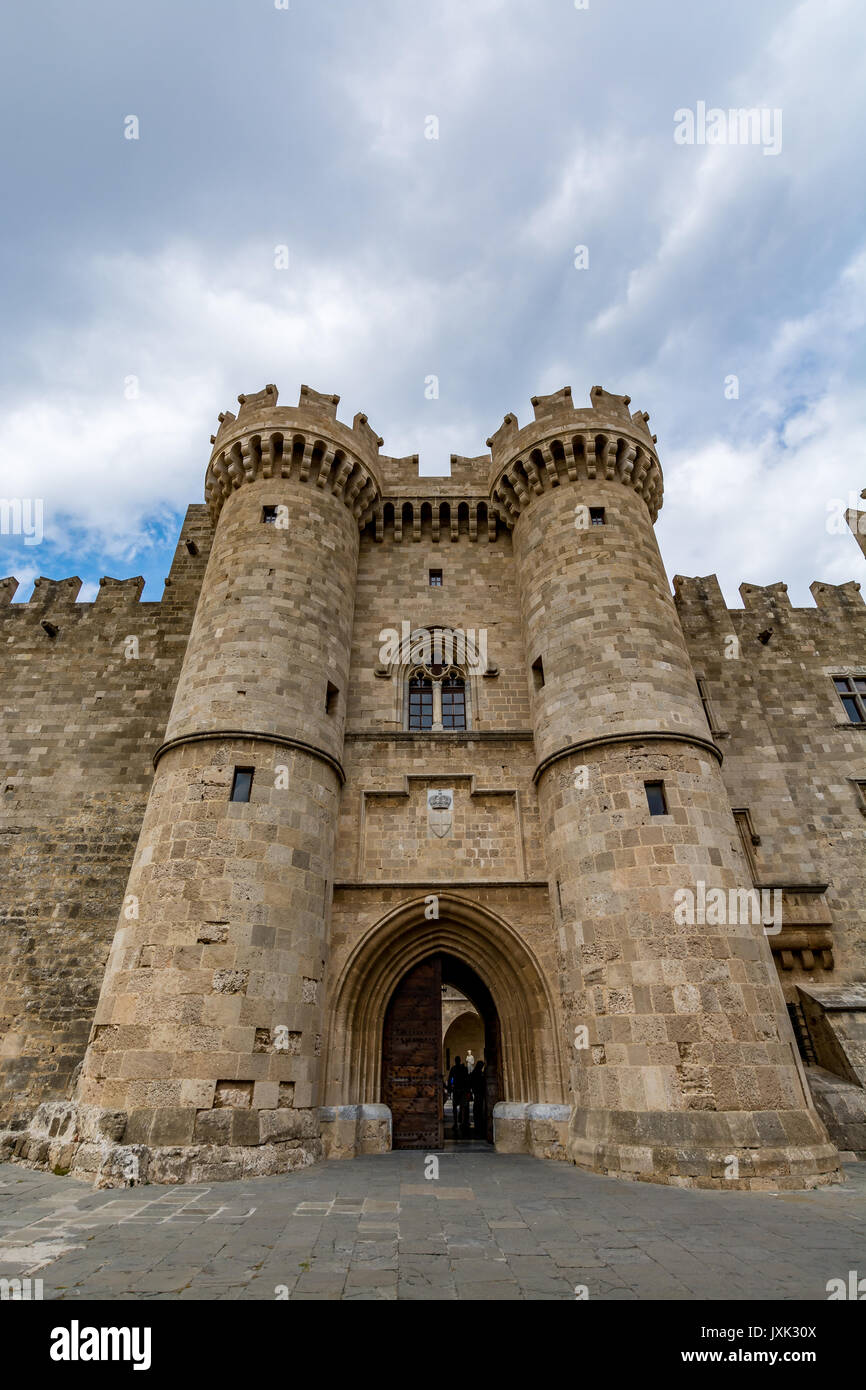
<point>532,1064</point>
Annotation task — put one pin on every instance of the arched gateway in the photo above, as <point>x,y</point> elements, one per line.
<point>483,955</point>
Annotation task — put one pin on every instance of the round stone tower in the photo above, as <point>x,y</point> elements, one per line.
<point>684,1067</point>
<point>205,1050</point>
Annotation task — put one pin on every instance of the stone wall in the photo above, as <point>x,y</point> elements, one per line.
<point>790,757</point>
<point>84,710</point>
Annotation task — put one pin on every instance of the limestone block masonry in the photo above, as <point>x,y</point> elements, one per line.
<point>234,820</point>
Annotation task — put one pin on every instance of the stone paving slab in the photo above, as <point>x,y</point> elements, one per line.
<point>491,1227</point>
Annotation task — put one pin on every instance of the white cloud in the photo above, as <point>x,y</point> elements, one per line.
<point>760,513</point>
<point>412,258</point>
<point>107,466</point>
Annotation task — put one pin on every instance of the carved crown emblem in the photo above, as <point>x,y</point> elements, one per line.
<point>440,801</point>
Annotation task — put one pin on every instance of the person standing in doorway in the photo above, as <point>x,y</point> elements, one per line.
<point>479,1098</point>
<point>458,1085</point>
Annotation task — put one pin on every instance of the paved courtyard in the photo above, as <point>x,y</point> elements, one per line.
<point>489,1227</point>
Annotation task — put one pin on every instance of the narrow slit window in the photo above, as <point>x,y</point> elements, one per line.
<point>332,695</point>
<point>435,579</point>
<point>852,692</point>
<point>538,673</point>
<point>748,838</point>
<point>655,795</point>
<point>707,703</point>
<point>242,783</point>
<point>596,516</point>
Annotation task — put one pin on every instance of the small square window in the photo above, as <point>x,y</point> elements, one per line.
<point>596,516</point>
<point>242,784</point>
<point>655,795</point>
<point>269,516</point>
<point>435,579</point>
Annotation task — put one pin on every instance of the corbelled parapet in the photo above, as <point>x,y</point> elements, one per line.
<point>265,440</point>
<point>563,445</point>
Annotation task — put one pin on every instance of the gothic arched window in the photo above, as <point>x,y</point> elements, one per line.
<point>436,699</point>
<point>436,690</point>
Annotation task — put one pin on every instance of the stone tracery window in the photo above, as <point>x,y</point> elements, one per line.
<point>437,698</point>
<point>436,690</point>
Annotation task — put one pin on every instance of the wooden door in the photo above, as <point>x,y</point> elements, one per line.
<point>492,1049</point>
<point>412,1058</point>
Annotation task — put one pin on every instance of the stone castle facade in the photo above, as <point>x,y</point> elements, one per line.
<point>384,733</point>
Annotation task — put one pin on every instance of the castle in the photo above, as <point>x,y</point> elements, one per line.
<point>385,735</point>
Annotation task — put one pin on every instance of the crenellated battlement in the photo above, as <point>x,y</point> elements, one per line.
<point>306,442</point>
<point>54,593</point>
<point>564,444</point>
<point>62,595</point>
<point>704,595</point>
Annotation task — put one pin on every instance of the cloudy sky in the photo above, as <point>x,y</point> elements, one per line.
<point>141,294</point>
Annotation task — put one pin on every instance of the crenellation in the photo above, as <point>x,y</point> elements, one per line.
<point>54,592</point>
<point>702,598</point>
<point>558,403</point>
<point>842,600</point>
<point>119,592</point>
<point>365,432</point>
<point>641,420</point>
<point>764,599</point>
<point>608,404</point>
<point>564,444</point>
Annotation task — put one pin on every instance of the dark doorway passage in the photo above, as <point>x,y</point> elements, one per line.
<point>413,1079</point>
